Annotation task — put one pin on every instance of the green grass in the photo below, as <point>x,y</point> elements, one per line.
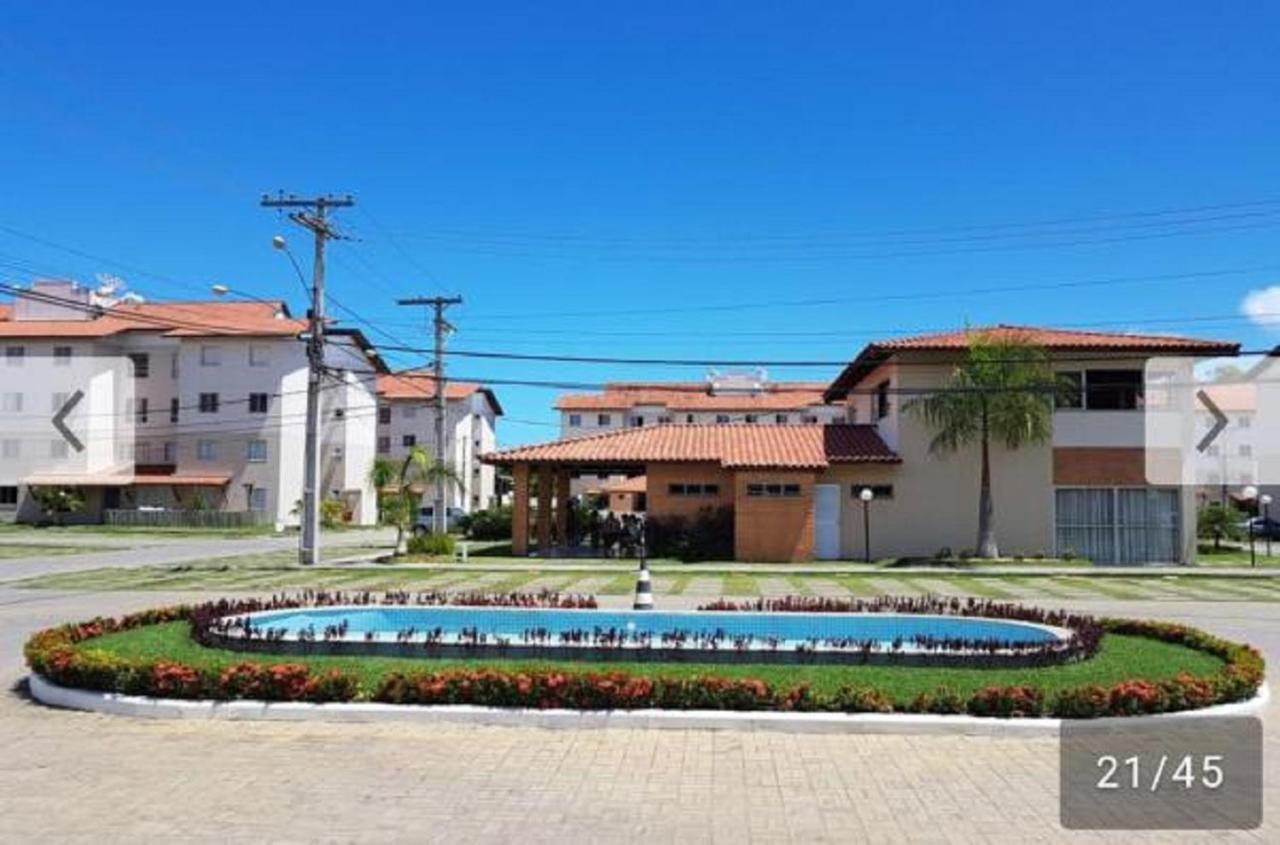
<point>1120,658</point>
<point>1206,556</point>
<point>15,550</point>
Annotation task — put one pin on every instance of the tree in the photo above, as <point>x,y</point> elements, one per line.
<point>1003,390</point>
<point>400,485</point>
<point>56,502</point>
<point>1219,522</point>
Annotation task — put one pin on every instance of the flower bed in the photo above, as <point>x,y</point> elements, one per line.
<point>57,655</point>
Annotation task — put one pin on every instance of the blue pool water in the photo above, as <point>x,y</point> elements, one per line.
<point>782,630</point>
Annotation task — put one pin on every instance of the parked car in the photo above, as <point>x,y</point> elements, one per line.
<point>1261,527</point>
<point>425,524</point>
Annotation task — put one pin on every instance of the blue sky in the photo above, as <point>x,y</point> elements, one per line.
<point>554,159</point>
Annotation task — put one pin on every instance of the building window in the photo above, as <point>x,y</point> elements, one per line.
<point>173,366</point>
<point>665,419</point>
<point>751,418</point>
<point>257,452</point>
<point>1246,450</point>
<point>14,355</point>
<point>575,420</point>
<point>11,402</point>
<point>170,452</point>
<point>882,400</point>
<point>809,419</point>
<point>210,356</point>
<point>173,410</point>
<point>8,496</point>
<point>258,355</point>
<point>693,489</point>
<point>1113,390</point>
<point>141,408</point>
<point>878,491</point>
<point>258,499</point>
<point>1244,421</point>
<point>722,418</point>
<point>773,491</point>
<point>208,403</point>
<point>62,356</point>
<point>384,415</point>
<point>384,445</point>
<point>258,403</point>
<point>604,419</point>
<point>780,419</point>
<point>408,441</point>
<point>141,364</point>
<point>206,450</point>
<point>58,449</point>
<point>637,421</point>
<point>10,448</point>
<point>339,413</point>
<point>142,453</point>
<point>1070,392</point>
<point>688,418</point>
<point>409,412</point>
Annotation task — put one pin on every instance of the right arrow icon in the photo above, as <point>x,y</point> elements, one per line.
<point>1219,421</point>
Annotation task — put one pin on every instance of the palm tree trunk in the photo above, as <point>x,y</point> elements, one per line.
<point>986,508</point>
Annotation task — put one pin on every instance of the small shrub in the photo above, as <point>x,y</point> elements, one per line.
<point>1007,702</point>
<point>1133,698</point>
<point>1087,702</point>
<point>941,702</point>
<point>436,545</point>
<point>852,699</point>
<point>708,536</point>
<point>491,524</point>
<point>332,513</point>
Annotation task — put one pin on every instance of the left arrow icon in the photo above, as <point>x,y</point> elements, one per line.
<point>59,420</point>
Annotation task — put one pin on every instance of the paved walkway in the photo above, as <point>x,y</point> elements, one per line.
<point>80,777</point>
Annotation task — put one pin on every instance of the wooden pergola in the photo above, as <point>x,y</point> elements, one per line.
<point>551,510</point>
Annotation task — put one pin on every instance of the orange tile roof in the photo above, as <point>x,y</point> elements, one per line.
<point>1054,340</point>
<point>1233,397</point>
<point>187,319</point>
<point>416,386</point>
<point>695,396</point>
<point>736,446</point>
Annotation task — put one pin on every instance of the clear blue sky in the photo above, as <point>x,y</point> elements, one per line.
<point>586,157</point>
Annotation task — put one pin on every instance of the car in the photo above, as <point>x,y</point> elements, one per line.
<point>1261,527</point>
<point>423,523</point>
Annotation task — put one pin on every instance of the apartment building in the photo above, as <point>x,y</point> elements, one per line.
<point>797,490</point>
<point>723,398</point>
<point>406,418</point>
<point>176,407</point>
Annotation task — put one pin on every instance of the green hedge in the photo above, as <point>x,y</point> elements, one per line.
<point>54,655</point>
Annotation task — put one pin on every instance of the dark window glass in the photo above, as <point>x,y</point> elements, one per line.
<point>384,415</point>
<point>258,403</point>
<point>1113,390</point>
<point>208,403</point>
<point>882,400</point>
<point>141,364</point>
<point>173,410</point>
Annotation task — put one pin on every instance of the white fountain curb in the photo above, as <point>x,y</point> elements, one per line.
<point>865,723</point>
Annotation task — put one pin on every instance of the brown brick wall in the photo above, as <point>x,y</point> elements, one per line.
<point>1098,466</point>
<point>660,476</point>
<point>773,529</point>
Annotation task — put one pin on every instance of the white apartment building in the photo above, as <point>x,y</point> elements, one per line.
<point>748,398</point>
<point>181,407</point>
<point>406,418</point>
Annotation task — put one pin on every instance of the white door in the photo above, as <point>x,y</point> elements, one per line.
<point>826,521</point>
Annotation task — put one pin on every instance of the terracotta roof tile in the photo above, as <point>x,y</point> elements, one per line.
<point>1054,340</point>
<point>413,386</point>
<point>187,319</point>
<point>735,446</point>
<point>695,396</point>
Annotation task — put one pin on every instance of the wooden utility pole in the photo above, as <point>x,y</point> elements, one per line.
<point>313,216</point>
<point>440,328</point>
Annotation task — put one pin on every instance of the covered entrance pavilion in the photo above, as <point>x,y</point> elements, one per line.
<point>765,473</point>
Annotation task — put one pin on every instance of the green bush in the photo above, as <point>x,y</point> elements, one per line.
<point>331,513</point>
<point>708,536</point>
<point>436,545</point>
<point>491,524</point>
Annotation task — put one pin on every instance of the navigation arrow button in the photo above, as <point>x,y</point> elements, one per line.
<point>1219,421</point>
<point>61,426</point>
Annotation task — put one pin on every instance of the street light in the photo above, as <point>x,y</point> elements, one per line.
<point>1266,519</point>
<point>225,290</point>
<point>866,496</point>
<point>1250,493</point>
<point>278,242</point>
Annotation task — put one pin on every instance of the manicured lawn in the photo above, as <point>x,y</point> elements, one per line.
<point>1120,658</point>
<point>16,550</point>
<point>1239,557</point>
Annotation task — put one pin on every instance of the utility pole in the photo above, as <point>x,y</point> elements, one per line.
<point>440,327</point>
<point>312,214</point>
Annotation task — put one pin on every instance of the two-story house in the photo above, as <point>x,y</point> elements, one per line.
<point>797,490</point>
<point>406,418</point>
<point>176,407</point>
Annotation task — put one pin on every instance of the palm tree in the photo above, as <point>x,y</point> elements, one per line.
<point>1002,390</point>
<point>400,485</point>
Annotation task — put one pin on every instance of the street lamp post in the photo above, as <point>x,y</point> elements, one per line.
<point>1266,519</point>
<point>866,496</point>
<point>1251,494</point>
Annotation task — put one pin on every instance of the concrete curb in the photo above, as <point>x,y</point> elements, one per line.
<point>116,704</point>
